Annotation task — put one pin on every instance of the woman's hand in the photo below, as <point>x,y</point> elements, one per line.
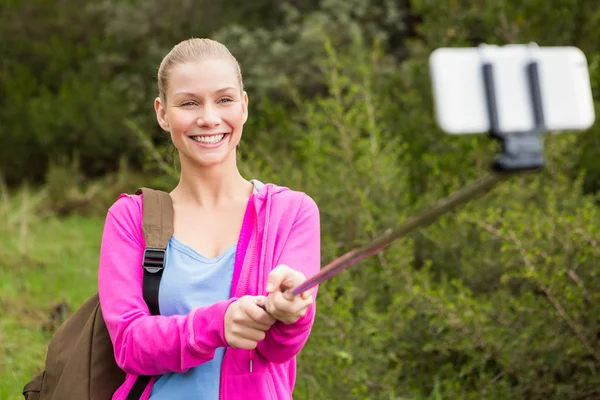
<point>284,307</point>
<point>246,322</point>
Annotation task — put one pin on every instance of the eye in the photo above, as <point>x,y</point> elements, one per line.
<point>225,100</point>
<point>188,104</point>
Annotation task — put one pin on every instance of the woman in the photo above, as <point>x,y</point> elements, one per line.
<point>226,329</point>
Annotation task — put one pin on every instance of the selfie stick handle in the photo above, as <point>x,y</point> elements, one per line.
<point>521,151</point>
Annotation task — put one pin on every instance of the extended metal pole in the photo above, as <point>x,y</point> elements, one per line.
<point>420,220</point>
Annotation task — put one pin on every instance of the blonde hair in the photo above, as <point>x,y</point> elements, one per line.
<point>192,50</point>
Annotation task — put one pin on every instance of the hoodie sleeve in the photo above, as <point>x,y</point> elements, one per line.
<point>146,344</point>
<point>302,251</point>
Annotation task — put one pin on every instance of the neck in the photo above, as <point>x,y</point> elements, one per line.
<point>211,186</point>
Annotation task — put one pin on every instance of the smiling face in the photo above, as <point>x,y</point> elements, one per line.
<point>204,109</point>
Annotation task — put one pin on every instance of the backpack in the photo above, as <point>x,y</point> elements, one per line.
<point>80,362</point>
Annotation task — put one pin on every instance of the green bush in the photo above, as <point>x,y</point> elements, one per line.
<point>496,300</point>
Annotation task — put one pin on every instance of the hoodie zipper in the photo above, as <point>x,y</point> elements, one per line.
<point>262,255</point>
<point>251,247</point>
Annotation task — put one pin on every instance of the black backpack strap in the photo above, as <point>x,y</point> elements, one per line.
<point>157,225</point>
<point>138,387</point>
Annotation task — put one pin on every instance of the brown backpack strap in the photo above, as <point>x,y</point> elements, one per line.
<point>158,218</point>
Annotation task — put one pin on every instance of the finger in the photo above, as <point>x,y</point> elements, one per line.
<point>261,324</point>
<point>248,302</point>
<point>283,305</point>
<point>247,322</point>
<point>284,278</point>
<point>253,334</point>
<point>260,301</point>
<point>288,295</point>
<point>258,316</point>
<point>241,343</point>
<point>276,277</point>
<point>280,304</point>
<point>261,317</point>
<point>293,279</point>
<point>306,294</point>
<point>246,309</point>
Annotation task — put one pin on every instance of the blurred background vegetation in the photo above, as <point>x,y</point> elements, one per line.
<point>498,300</point>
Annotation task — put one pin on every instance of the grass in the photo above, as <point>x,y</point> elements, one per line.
<point>44,263</point>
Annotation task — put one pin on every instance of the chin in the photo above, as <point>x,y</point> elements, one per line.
<point>212,161</point>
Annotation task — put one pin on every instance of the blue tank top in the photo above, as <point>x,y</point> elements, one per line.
<point>191,280</point>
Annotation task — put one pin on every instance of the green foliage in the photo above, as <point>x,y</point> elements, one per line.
<point>496,300</point>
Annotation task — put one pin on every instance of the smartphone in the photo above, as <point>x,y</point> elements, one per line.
<point>460,97</point>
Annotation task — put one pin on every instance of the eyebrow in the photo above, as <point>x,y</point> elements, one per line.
<point>225,89</point>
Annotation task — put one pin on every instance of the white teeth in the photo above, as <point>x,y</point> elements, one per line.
<point>209,139</point>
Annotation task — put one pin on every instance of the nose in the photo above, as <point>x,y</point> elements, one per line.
<point>208,117</point>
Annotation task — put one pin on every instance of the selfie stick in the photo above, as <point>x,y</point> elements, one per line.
<point>521,151</point>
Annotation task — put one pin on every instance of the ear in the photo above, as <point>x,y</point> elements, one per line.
<point>161,114</point>
<point>245,105</point>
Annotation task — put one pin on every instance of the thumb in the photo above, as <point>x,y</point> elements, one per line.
<point>260,301</point>
<point>276,277</point>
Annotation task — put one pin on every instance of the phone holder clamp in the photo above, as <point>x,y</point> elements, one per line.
<point>521,151</point>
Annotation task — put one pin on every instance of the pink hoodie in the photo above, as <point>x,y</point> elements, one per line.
<point>280,226</point>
